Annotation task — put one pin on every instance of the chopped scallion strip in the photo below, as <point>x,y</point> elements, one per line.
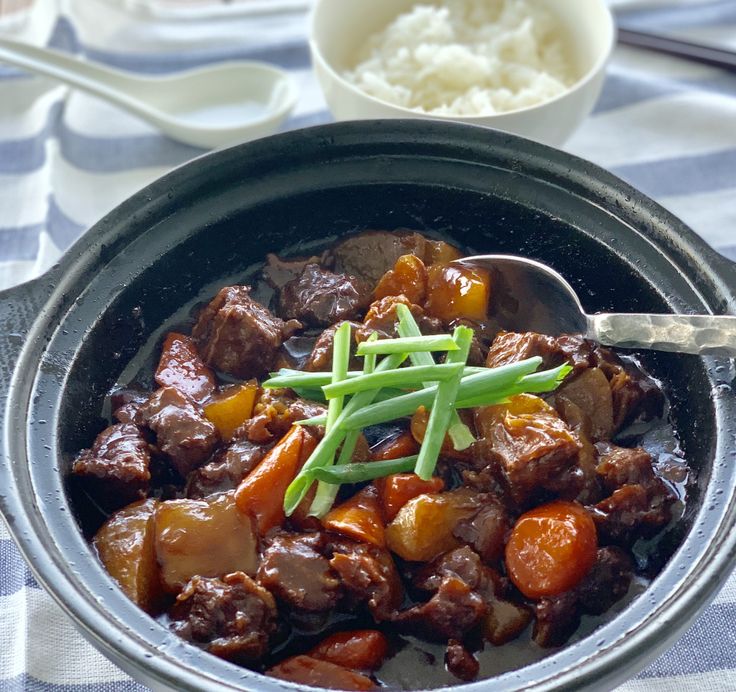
<point>326,493</point>
<point>296,378</point>
<point>329,444</point>
<point>359,473</point>
<point>442,408</point>
<point>412,344</point>
<point>471,386</point>
<point>312,381</point>
<point>405,377</point>
<point>340,359</point>
<point>459,433</point>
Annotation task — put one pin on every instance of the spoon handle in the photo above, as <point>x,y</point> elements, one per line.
<point>698,334</point>
<point>94,79</point>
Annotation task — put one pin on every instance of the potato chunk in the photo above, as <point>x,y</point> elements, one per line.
<point>208,538</point>
<point>229,409</point>
<point>457,292</point>
<point>423,528</point>
<point>125,545</point>
<point>408,277</point>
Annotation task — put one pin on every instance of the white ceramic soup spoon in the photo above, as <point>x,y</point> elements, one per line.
<point>208,107</point>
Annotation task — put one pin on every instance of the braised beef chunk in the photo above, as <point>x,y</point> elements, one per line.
<point>320,359</point>
<point>534,448</point>
<point>181,367</point>
<point>233,616</point>
<point>640,503</point>
<point>511,347</point>
<point>319,298</point>
<point>238,336</point>
<point>500,620</point>
<point>633,511</point>
<point>183,434</point>
<point>460,662</point>
<point>278,272</point>
<point>226,469</point>
<point>382,318</point>
<point>556,619</point>
<point>462,563</point>
<point>294,570</point>
<point>607,582</point>
<point>619,466</point>
<point>115,470</point>
<point>486,531</point>
<point>633,395</point>
<point>590,490</point>
<point>274,414</point>
<point>591,393</point>
<point>368,573</point>
<point>369,255</point>
<point>453,611</point>
<point>124,404</point>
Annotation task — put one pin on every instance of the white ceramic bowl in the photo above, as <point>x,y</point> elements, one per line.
<point>339,29</point>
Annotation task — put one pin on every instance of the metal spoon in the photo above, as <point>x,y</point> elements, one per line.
<point>208,107</point>
<point>530,296</point>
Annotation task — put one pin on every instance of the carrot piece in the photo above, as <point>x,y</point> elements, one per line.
<point>229,409</point>
<point>309,671</point>
<point>396,490</point>
<point>551,549</point>
<point>457,292</point>
<point>402,446</point>
<point>261,493</point>
<point>359,517</point>
<point>358,649</point>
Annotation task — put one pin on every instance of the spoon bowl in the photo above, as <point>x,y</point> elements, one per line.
<point>211,107</point>
<point>530,296</point>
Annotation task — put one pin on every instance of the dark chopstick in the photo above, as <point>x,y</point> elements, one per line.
<point>709,55</point>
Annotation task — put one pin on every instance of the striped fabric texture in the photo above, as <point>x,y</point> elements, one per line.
<point>667,126</point>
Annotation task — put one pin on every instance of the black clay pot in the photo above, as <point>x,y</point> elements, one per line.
<point>67,337</point>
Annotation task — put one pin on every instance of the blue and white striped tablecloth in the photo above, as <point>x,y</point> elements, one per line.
<point>665,125</point>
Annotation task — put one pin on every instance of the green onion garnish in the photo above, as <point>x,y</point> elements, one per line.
<point>412,344</point>
<point>329,444</point>
<point>442,407</point>
<point>485,383</point>
<point>340,360</point>
<point>459,433</point>
<point>326,492</point>
<point>405,377</point>
<point>379,394</point>
<point>368,471</point>
<point>313,381</point>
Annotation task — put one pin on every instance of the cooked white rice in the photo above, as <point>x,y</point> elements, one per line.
<point>466,57</point>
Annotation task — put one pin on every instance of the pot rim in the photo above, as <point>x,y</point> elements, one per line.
<point>126,648</point>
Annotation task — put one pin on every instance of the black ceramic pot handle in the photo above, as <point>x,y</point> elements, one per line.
<point>19,307</point>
